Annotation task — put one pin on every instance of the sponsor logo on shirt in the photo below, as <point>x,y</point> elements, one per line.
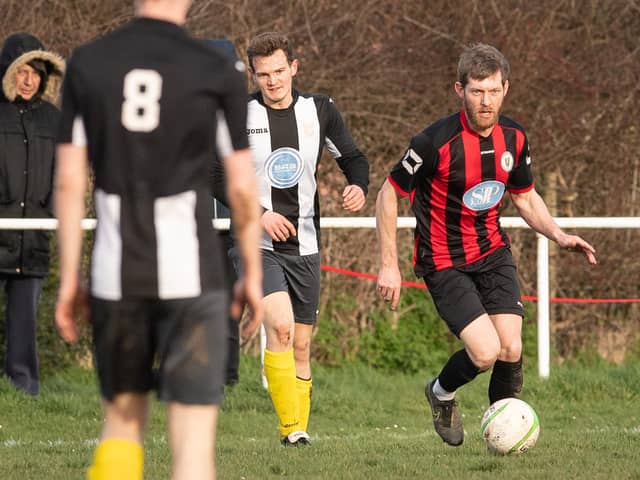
<point>284,167</point>
<point>483,196</point>
<point>257,131</point>
<point>309,129</point>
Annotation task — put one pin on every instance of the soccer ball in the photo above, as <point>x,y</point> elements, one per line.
<point>510,427</point>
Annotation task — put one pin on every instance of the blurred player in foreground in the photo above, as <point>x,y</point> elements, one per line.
<point>140,105</point>
<point>455,172</point>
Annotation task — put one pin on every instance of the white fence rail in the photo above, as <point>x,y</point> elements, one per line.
<point>410,222</point>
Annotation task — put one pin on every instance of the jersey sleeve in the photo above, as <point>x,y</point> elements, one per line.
<point>520,178</point>
<point>343,148</point>
<point>419,161</point>
<point>232,116</point>
<point>217,179</point>
<point>71,128</point>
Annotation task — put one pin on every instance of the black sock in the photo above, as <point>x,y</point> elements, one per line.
<point>458,371</point>
<point>506,380</point>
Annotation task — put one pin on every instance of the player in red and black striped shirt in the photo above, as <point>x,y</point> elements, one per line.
<point>455,174</point>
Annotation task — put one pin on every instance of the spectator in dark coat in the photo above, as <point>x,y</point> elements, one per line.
<point>31,79</point>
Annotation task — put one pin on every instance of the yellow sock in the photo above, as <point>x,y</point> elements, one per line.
<point>117,459</point>
<point>304,387</point>
<point>280,370</point>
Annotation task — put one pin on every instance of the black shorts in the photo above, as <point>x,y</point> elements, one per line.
<point>177,347</point>
<point>462,294</point>
<point>297,275</point>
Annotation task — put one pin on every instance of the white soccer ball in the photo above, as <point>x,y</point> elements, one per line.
<point>510,427</point>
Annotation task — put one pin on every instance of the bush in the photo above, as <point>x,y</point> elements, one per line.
<point>412,339</point>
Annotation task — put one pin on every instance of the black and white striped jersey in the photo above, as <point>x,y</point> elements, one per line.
<point>144,100</point>
<point>287,145</point>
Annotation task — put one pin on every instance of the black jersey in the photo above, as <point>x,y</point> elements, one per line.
<point>144,100</point>
<point>287,146</point>
<point>456,180</point>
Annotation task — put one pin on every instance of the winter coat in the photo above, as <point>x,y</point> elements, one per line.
<point>27,152</point>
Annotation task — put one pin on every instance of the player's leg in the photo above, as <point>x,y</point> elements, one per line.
<point>278,322</point>
<point>119,453</point>
<point>458,303</point>
<point>303,276</point>
<point>500,293</point>
<point>124,356</point>
<point>506,377</point>
<point>192,350</point>
<point>192,431</point>
<point>279,361</point>
<point>304,383</point>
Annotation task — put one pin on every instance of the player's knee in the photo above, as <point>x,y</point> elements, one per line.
<point>485,362</point>
<point>485,358</point>
<point>302,348</point>
<point>511,351</point>
<point>283,333</point>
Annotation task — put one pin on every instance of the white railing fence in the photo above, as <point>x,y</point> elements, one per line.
<point>410,222</point>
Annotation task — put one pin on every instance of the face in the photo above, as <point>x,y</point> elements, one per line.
<point>27,81</point>
<point>482,101</point>
<point>274,76</point>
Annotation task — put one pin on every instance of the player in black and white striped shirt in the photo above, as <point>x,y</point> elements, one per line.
<point>287,132</point>
<point>140,104</point>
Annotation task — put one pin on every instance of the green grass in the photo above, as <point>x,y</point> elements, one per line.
<point>365,425</point>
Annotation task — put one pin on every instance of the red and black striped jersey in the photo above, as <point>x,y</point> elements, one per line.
<point>455,180</point>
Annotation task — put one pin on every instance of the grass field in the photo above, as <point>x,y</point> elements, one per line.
<point>365,425</point>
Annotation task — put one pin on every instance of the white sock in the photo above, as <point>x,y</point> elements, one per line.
<point>441,393</point>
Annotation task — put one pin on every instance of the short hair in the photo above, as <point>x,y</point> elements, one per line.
<point>479,61</point>
<point>266,44</point>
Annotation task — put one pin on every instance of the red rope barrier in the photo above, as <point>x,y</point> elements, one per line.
<point>370,276</point>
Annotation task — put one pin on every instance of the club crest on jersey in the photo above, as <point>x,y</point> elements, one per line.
<point>309,129</point>
<point>506,161</point>
<point>284,167</point>
<point>411,161</point>
<point>484,195</point>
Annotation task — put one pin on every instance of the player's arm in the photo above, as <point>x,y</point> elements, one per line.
<point>241,193</point>
<point>350,159</point>
<point>70,188</point>
<point>419,162</point>
<point>534,211</point>
<point>389,278</point>
<point>70,185</point>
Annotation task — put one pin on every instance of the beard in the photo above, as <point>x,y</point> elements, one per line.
<point>478,122</point>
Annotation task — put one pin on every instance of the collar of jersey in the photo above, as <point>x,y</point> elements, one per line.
<point>158,24</point>
<point>281,111</point>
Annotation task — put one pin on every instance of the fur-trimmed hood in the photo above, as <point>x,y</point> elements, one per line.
<point>21,48</point>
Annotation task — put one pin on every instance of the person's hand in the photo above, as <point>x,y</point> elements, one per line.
<point>389,285</point>
<point>353,198</point>
<point>72,305</point>
<point>277,226</point>
<point>574,243</point>
<point>250,294</point>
